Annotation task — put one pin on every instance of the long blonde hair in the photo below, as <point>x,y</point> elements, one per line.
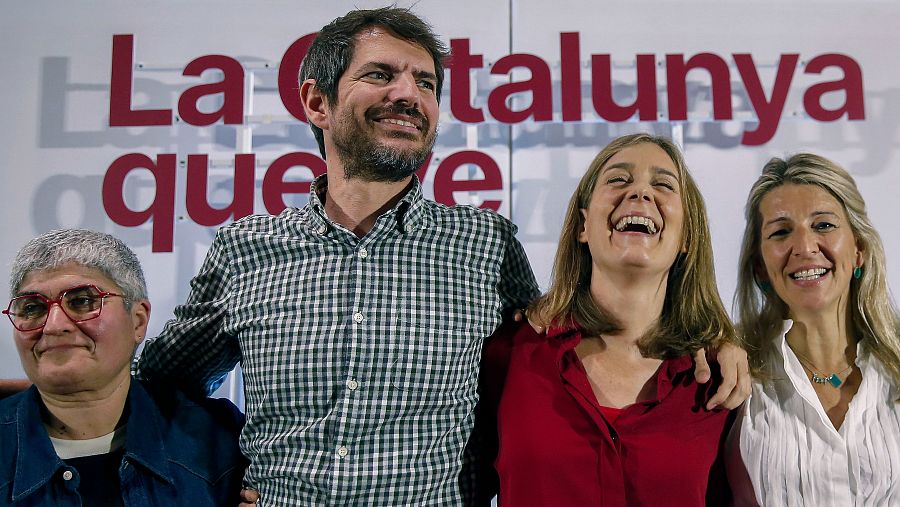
<point>873,316</point>
<point>692,316</point>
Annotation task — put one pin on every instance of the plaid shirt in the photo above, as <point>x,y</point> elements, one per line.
<point>360,356</point>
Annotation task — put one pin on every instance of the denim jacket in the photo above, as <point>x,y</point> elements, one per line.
<point>177,452</point>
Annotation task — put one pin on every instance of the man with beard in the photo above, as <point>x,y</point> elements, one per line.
<point>358,319</point>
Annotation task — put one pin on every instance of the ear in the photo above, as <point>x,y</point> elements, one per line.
<point>140,316</point>
<point>860,255</point>
<point>582,234</point>
<point>314,104</point>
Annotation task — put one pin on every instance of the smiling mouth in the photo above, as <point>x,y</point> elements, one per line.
<point>402,123</point>
<point>809,274</point>
<point>399,115</point>
<point>57,347</point>
<point>636,224</point>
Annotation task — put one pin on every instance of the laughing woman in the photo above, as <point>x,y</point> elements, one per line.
<point>604,409</point>
<point>822,426</point>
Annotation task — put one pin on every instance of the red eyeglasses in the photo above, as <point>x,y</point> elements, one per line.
<point>81,303</point>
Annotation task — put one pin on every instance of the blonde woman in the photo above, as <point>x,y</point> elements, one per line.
<point>822,426</point>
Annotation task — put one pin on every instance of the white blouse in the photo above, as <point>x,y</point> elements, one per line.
<point>784,451</point>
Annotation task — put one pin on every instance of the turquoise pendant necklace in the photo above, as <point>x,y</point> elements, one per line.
<point>834,379</point>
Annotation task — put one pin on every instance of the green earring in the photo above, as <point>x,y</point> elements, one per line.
<point>857,272</point>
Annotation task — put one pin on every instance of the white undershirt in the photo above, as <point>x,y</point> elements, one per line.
<point>784,448</point>
<point>68,449</point>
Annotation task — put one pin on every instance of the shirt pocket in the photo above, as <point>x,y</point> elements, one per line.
<point>440,339</point>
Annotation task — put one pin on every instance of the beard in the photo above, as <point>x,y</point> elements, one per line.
<point>364,158</point>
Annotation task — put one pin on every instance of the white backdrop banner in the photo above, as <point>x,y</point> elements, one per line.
<point>160,121</point>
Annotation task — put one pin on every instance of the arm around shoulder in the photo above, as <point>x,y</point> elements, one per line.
<point>194,352</point>
<point>518,286</point>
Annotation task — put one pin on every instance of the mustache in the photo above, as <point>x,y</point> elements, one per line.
<point>399,109</point>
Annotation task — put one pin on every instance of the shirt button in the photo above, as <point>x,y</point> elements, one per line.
<point>363,253</point>
<point>342,451</point>
<point>67,475</point>
<point>352,384</point>
<point>358,317</point>
<point>322,229</point>
<point>409,227</point>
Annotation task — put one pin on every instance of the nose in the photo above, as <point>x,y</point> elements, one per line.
<point>640,192</point>
<point>404,90</point>
<point>58,321</point>
<point>805,242</point>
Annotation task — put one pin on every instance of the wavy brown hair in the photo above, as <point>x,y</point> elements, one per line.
<point>692,317</point>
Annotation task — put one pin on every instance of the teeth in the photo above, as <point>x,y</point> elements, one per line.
<point>399,122</point>
<point>809,274</point>
<point>629,220</point>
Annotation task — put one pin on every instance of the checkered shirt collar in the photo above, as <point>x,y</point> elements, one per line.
<point>410,211</point>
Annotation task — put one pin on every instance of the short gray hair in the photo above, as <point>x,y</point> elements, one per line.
<point>91,249</point>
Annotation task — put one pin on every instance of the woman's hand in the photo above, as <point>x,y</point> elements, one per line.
<point>735,388</point>
<point>535,323</point>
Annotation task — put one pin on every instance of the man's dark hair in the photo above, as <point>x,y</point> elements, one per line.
<point>332,50</point>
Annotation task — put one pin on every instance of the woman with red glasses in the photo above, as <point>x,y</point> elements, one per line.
<point>86,433</point>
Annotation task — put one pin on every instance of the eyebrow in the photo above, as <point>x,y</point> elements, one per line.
<point>27,293</point>
<point>662,170</point>
<point>814,214</point>
<point>629,166</point>
<point>424,74</point>
<point>775,221</point>
<point>30,293</point>
<point>618,165</point>
<point>393,69</point>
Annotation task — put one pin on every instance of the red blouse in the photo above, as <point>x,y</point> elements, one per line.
<point>554,447</point>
